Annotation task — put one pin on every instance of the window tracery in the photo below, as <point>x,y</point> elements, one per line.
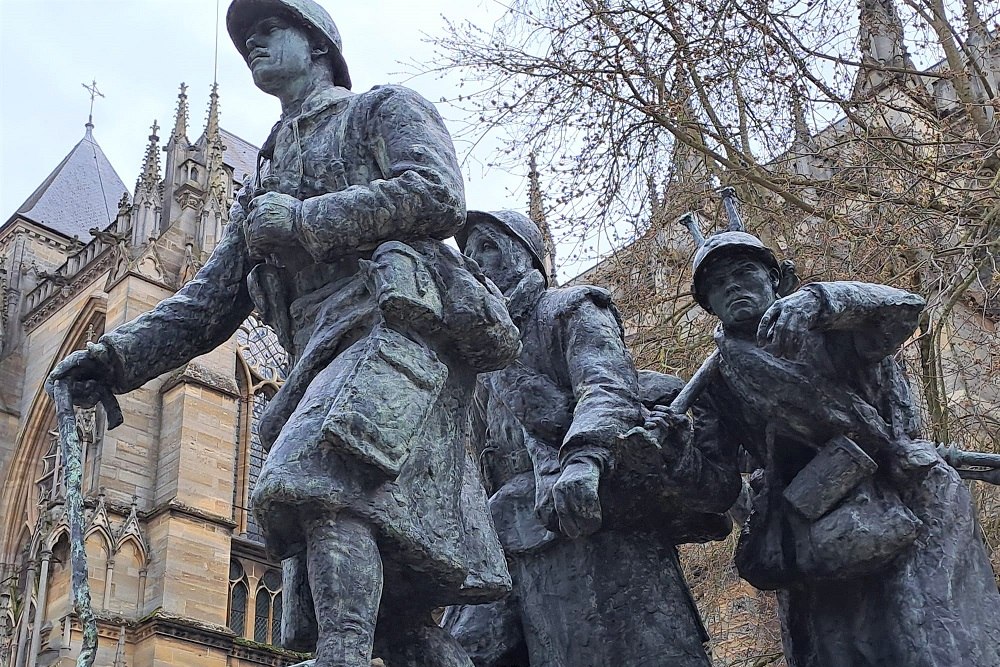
<point>262,366</point>
<point>267,609</point>
<point>255,600</point>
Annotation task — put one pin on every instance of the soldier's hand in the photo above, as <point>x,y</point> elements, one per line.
<point>271,223</point>
<point>577,503</point>
<point>90,374</point>
<point>545,507</point>
<point>672,429</point>
<point>787,322</point>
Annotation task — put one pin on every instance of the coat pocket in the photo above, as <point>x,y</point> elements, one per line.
<point>382,406</point>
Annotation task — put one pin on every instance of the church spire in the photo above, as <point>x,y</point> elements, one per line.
<point>212,127</point>
<point>149,177</point>
<point>214,149</point>
<point>803,137</point>
<point>881,45</point>
<point>214,213</point>
<point>804,151</point>
<point>181,119</point>
<point>536,211</point>
<point>146,203</point>
<point>983,70</point>
<point>687,162</point>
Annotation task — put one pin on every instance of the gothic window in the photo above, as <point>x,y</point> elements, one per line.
<point>238,597</point>
<point>255,600</point>
<point>262,368</point>
<point>267,609</point>
<point>50,482</point>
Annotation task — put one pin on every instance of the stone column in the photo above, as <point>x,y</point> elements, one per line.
<point>107,581</point>
<point>40,595</point>
<point>22,635</point>
<point>140,603</point>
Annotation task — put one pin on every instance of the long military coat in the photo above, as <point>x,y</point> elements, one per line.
<point>935,604</point>
<point>617,597</point>
<point>368,168</point>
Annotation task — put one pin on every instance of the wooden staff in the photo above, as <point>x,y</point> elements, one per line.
<point>69,442</point>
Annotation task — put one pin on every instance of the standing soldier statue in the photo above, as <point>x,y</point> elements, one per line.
<point>870,539</point>
<point>368,493</point>
<point>592,587</point>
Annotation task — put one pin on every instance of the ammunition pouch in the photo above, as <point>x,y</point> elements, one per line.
<point>426,288</point>
<point>862,534</point>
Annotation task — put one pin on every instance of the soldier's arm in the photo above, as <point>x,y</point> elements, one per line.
<point>420,193</point>
<point>704,470</point>
<point>878,317</point>
<point>602,375</point>
<point>198,318</point>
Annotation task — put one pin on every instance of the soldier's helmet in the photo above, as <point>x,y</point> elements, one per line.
<point>242,15</point>
<point>722,244</point>
<point>518,225</point>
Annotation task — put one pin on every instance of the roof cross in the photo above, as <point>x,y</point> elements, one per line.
<point>94,93</point>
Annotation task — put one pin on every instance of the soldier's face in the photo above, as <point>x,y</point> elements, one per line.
<point>739,291</point>
<point>502,259</point>
<point>279,54</point>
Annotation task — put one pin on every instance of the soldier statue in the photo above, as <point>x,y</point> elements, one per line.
<point>368,493</point>
<point>592,587</point>
<point>870,539</point>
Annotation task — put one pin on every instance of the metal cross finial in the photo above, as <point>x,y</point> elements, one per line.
<point>94,93</point>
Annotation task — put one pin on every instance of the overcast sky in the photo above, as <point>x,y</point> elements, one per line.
<point>139,51</point>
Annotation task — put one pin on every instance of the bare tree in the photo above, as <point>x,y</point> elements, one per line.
<point>862,140</point>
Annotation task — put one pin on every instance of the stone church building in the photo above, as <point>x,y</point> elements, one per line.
<point>177,570</point>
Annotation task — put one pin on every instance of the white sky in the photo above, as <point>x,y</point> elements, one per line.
<point>139,51</point>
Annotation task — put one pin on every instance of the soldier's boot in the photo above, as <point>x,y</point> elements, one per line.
<point>345,578</point>
<point>421,645</point>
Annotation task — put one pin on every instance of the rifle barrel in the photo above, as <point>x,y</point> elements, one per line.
<point>696,385</point>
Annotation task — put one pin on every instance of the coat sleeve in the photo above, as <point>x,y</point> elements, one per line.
<point>878,317</point>
<point>705,472</point>
<point>602,374</point>
<point>198,318</point>
<point>420,194</point>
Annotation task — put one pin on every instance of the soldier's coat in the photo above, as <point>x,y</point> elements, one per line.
<point>369,168</point>
<point>936,604</point>
<point>617,597</point>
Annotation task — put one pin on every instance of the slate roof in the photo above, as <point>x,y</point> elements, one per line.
<point>81,193</point>
<point>241,155</point>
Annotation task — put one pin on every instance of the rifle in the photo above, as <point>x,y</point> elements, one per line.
<point>972,465</point>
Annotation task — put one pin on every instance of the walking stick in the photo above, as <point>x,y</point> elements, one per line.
<point>69,442</point>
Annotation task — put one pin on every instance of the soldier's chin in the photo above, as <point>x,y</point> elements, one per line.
<point>265,80</point>
<point>743,317</point>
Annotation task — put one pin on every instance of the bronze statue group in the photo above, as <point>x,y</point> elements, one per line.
<point>455,432</point>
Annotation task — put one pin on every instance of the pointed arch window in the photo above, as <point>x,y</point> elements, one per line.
<point>239,595</point>
<point>262,366</point>
<point>267,609</point>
